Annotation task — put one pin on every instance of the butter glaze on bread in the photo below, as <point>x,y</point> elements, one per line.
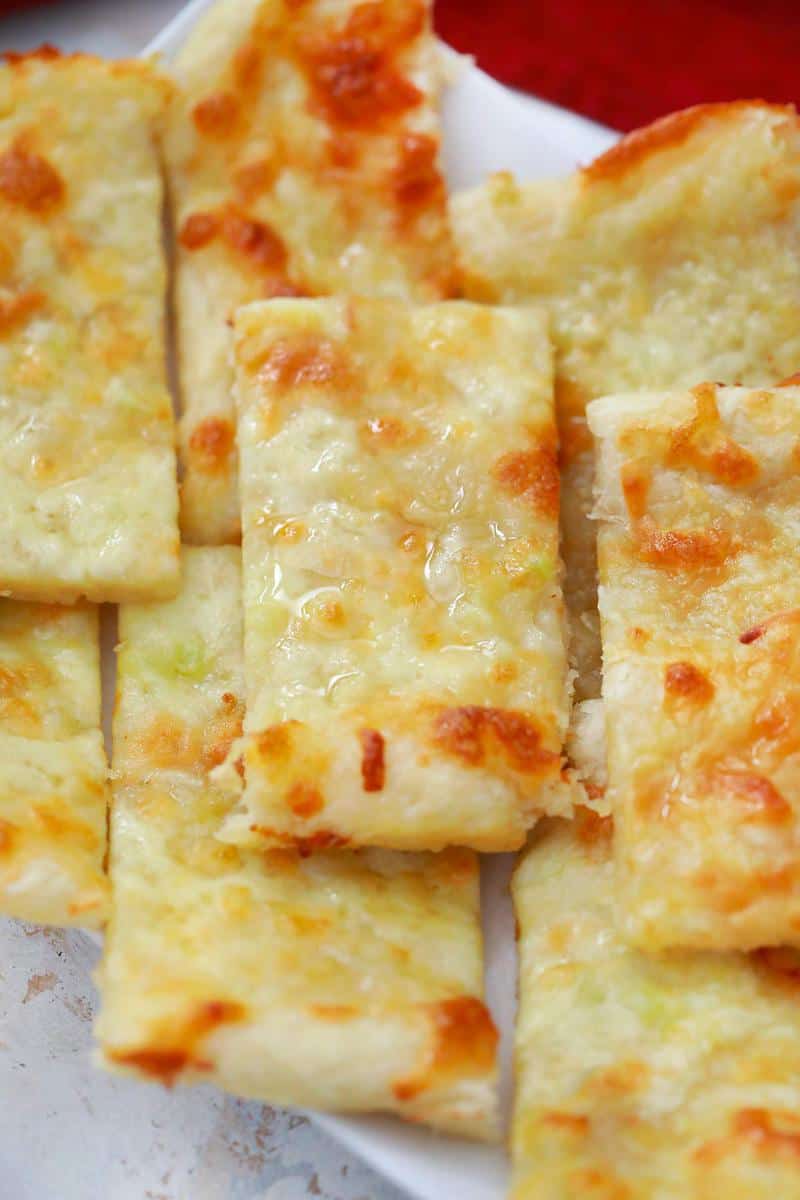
<point>640,1076</point>
<point>670,260</point>
<point>88,495</point>
<point>345,981</point>
<point>698,498</point>
<point>303,159</point>
<point>404,632</point>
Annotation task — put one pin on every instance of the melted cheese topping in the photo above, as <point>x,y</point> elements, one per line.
<point>87,476</point>
<point>700,604</point>
<point>404,629</point>
<point>641,1077</point>
<point>49,670</point>
<point>671,259</point>
<point>303,158</point>
<point>349,981</point>
<point>53,791</point>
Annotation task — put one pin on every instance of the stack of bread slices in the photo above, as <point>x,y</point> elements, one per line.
<point>482,535</point>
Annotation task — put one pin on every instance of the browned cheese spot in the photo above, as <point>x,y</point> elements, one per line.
<point>15,310</point>
<point>759,799</point>
<point>684,681</point>
<point>198,230</point>
<point>304,800</point>
<point>373,766</point>
<point>683,549</point>
<point>594,832</point>
<point>212,444</point>
<point>385,433</point>
<point>256,241</point>
<point>576,1123</point>
<point>167,1062</point>
<point>353,72</point>
<point>29,181</point>
<point>789,617</point>
<point>7,831</point>
<point>780,964</point>
<point>531,475</point>
<point>464,1044</point>
<point>635,489</point>
<point>216,116</point>
<point>334,1012</point>
<point>276,740</point>
<point>416,181</point>
<point>254,178</point>
<point>470,732</point>
<point>763,1132</point>
<point>303,360</point>
<point>701,443</point>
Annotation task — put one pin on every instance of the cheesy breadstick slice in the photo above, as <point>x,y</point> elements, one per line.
<point>700,606</point>
<point>672,1077</point>
<point>404,643</point>
<point>88,496</point>
<point>695,215</point>
<point>303,156</point>
<point>350,981</point>
<point>53,771</point>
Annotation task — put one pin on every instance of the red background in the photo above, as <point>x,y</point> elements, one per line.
<point>624,62</point>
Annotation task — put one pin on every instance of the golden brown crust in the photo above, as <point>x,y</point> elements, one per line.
<point>668,133</point>
<point>26,62</point>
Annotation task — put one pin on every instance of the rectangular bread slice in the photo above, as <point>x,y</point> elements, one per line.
<point>642,1077</point>
<point>671,259</point>
<point>348,981</point>
<point>303,158</point>
<point>53,771</point>
<point>699,551</point>
<point>404,642</point>
<point>87,476</point>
